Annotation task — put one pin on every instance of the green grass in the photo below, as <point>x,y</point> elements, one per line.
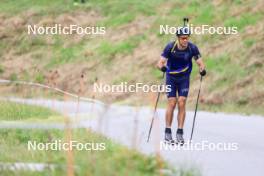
<point>114,160</point>
<point>63,55</point>
<point>3,47</point>
<point>156,73</point>
<point>198,13</point>
<point>25,75</point>
<point>25,44</point>
<point>113,14</point>
<point>241,107</point>
<point>118,20</point>
<point>107,51</point>
<point>242,21</point>
<point>41,6</point>
<point>215,64</point>
<point>10,111</point>
<point>227,74</point>
<point>114,7</point>
<point>123,12</point>
<point>123,78</point>
<point>249,42</point>
<point>13,77</point>
<point>2,70</point>
<point>39,78</point>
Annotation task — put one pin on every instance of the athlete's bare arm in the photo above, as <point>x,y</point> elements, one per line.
<point>161,62</point>
<point>200,63</point>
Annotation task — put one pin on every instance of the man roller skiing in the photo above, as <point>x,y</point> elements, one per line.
<point>176,61</point>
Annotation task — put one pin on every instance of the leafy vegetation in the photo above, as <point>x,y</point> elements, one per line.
<point>10,111</point>
<point>114,160</point>
<point>129,26</point>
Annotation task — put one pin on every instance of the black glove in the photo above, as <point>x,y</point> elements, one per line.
<point>163,69</point>
<point>203,73</point>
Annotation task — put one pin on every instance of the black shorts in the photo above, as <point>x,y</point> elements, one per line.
<point>178,84</point>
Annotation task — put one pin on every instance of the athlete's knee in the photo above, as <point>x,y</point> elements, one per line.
<point>181,102</point>
<point>172,103</point>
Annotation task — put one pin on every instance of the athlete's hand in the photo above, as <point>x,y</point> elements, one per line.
<point>203,72</point>
<point>163,69</point>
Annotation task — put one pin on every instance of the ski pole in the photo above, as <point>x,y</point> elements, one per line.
<point>155,109</point>
<point>196,107</point>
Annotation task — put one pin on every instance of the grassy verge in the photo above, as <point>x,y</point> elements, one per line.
<point>233,108</point>
<point>114,160</point>
<point>17,111</point>
<point>228,107</point>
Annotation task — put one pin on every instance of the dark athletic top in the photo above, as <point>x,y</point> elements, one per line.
<point>180,61</point>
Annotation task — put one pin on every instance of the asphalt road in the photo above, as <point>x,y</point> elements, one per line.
<point>240,139</point>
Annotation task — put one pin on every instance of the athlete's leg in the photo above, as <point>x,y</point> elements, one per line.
<point>172,101</point>
<point>181,111</point>
<point>183,90</point>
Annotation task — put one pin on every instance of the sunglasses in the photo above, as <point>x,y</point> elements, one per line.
<point>184,38</point>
